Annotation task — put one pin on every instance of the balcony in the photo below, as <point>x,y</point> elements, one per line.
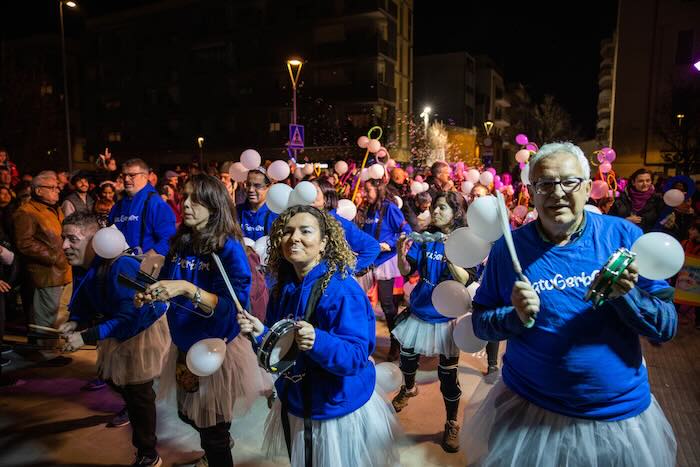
<point>502,102</point>
<point>604,123</point>
<point>355,47</point>
<point>357,92</point>
<point>501,123</point>
<point>604,79</point>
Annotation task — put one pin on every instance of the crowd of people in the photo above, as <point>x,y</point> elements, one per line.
<point>572,389</point>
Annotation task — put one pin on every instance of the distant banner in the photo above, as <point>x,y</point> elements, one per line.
<point>688,282</point>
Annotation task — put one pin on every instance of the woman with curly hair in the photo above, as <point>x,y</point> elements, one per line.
<point>193,280</point>
<point>424,331</point>
<point>328,413</point>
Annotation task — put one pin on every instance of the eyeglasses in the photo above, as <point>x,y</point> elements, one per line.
<point>50,187</point>
<point>257,186</point>
<point>568,185</point>
<point>131,176</point>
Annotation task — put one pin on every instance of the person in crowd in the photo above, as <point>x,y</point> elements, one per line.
<point>385,222</point>
<point>676,221</point>
<point>46,272</point>
<point>478,190</point>
<point>639,203</point>
<point>152,178</point>
<point>423,330</point>
<point>141,215</point>
<point>107,191</point>
<point>80,200</point>
<point>440,179</point>
<point>192,280</point>
<point>225,177</point>
<point>414,208</point>
<point>5,178</point>
<point>131,341</point>
<point>11,167</point>
<point>8,276</point>
<point>328,411</point>
<point>172,179</point>
<point>170,197</point>
<point>255,217</point>
<point>398,183</point>
<point>574,386</point>
<point>364,246</point>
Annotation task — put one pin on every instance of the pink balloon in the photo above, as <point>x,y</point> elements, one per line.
<point>418,178</point>
<point>409,170</point>
<point>532,147</point>
<point>521,139</point>
<point>460,166</point>
<point>611,155</point>
<point>522,165</point>
<point>522,156</point>
<point>520,211</point>
<point>497,184</point>
<point>606,167</point>
<point>362,142</point>
<point>599,189</point>
<point>492,170</point>
<point>496,178</point>
<point>622,184</point>
<point>507,178</point>
<point>374,145</point>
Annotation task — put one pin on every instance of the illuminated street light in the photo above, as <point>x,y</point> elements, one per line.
<point>697,65</point>
<point>488,125</point>
<point>294,67</point>
<point>426,118</point>
<point>70,4</point>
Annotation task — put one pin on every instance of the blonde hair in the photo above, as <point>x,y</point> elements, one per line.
<point>337,253</point>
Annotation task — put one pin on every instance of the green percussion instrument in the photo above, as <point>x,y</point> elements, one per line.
<point>610,273</point>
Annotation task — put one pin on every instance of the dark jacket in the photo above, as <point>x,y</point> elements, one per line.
<point>622,207</point>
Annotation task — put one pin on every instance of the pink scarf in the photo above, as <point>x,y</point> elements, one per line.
<point>639,198</point>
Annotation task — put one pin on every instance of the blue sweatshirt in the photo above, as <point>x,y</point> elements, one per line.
<point>160,220</point>
<point>577,360</point>
<point>187,327</point>
<point>255,224</point>
<point>110,303</point>
<point>430,260</point>
<point>391,229</point>
<point>342,376</point>
<point>364,246</point>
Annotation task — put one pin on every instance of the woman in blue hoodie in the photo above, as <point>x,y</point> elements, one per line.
<point>327,408</point>
<point>385,222</point>
<point>425,331</point>
<point>205,309</point>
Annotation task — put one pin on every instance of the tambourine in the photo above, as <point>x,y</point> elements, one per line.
<point>600,288</point>
<point>424,237</point>
<point>278,350</point>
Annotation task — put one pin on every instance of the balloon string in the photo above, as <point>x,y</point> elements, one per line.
<point>359,176</point>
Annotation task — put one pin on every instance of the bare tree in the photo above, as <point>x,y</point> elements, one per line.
<point>677,123</point>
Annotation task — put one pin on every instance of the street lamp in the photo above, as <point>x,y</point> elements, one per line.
<point>426,118</point>
<point>294,67</point>
<point>200,143</point>
<point>697,65</point>
<point>69,4</point>
<point>488,125</point>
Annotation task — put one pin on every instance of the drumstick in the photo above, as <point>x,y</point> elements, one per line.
<point>239,308</point>
<point>44,328</point>
<point>508,237</point>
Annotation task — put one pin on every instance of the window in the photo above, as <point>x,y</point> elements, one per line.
<point>684,47</point>
<point>274,127</point>
<point>46,89</point>
<point>381,72</point>
<point>114,136</point>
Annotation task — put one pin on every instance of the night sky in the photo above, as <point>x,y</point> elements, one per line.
<point>550,50</point>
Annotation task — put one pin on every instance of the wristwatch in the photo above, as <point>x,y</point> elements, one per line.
<point>197,298</point>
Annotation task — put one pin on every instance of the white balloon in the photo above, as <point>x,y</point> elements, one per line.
<point>109,242</point>
<point>376,171</point>
<point>249,242</point>
<point>471,289</point>
<point>305,192</point>
<point>659,256</point>
<point>341,167</point>
<point>482,218</point>
<point>473,175</point>
<point>426,187</point>
<point>399,201</point>
<point>486,178</point>
<point>525,174</point>
<point>308,169</point>
<point>250,158</point>
<point>389,377</point>
<point>466,249</point>
<point>278,197</point>
<point>451,299</point>
<point>206,356</point>
<point>467,187</point>
<point>238,172</point>
<point>463,335</point>
<point>416,187</point>
<point>374,145</point>
<point>364,175</point>
<point>346,209</point>
<point>278,170</point>
<point>674,197</point>
<point>592,208</point>
<point>260,248</point>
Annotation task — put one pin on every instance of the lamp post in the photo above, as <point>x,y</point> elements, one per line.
<point>69,4</point>
<point>294,67</point>
<point>426,118</point>
<point>200,143</point>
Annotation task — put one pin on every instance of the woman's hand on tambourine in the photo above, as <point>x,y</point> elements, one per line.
<point>249,324</point>
<point>628,279</point>
<point>74,341</point>
<point>525,301</point>
<point>305,335</point>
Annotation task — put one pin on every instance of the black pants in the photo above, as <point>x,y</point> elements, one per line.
<point>215,441</point>
<point>492,353</point>
<point>141,404</point>
<point>385,291</point>
<point>447,373</point>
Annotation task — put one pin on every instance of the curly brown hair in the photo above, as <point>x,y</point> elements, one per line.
<point>337,253</point>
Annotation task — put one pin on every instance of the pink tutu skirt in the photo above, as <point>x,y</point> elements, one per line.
<point>230,391</point>
<point>136,360</point>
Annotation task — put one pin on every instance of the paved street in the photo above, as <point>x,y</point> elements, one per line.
<point>46,420</point>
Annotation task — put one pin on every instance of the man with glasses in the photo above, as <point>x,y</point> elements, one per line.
<point>38,240</point>
<point>142,216</point>
<point>574,386</point>
<point>256,219</point>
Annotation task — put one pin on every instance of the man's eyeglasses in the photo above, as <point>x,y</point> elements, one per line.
<point>132,175</point>
<point>258,186</point>
<point>568,185</point>
<point>50,187</point>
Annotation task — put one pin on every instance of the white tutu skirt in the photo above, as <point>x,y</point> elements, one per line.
<point>232,389</point>
<point>137,359</point>
<point>366,437</point>
<point>425,338</point>
<point>507,430</point>
<point>389,269</point>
